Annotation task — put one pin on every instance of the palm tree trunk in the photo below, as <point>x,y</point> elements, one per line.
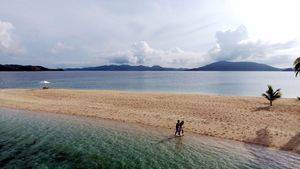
<point>270,103</point>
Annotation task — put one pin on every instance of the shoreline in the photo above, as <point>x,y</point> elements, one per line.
<point>246,119</point>
<point>138,128</point>
<point>152,92</point>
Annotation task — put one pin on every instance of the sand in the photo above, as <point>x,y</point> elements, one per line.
<point>247,119</point>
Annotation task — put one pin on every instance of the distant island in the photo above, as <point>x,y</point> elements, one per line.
<point>216,66</point>
<point>125,68</point>
<point>25,68</point>
<point>236,66</point>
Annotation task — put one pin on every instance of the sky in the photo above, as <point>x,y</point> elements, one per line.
<point>169,33</point>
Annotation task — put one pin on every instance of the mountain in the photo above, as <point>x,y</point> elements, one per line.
<point>288,69</point>
<point>216,66</point>
<point>235,66</point>
<point>125,68</point>
<point>25,68</point>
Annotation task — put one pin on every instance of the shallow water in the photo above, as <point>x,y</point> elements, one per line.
<point>221,83</point>
<point>43,140</point>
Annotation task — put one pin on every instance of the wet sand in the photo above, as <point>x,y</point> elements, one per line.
<point>247,119</point>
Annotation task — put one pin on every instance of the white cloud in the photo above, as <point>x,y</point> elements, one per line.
<point>61,47</point>
<point>142,54</point>
<point>231,45</point>
<point>236,45</point>
<point>105,26</point>
<point>8,44</point>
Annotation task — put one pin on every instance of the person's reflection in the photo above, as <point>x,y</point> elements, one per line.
<point>178,143</point>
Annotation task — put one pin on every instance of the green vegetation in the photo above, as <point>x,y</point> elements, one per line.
<point>272,95</point>
<point>297,66</point>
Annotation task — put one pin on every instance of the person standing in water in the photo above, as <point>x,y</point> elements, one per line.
<point>181,128</point>
<point>177,128</point>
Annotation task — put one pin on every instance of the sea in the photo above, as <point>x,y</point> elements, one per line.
<point>47,140</point>
<point>234,83</point>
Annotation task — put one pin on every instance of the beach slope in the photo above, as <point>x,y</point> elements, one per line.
<point>247,119</point>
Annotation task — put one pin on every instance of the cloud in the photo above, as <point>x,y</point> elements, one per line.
<point>231,45</point>
<point>102,26</point>
<point>61,47</point>
<point>141,53</point>
<point>236,45</point>
<point>8,44</point>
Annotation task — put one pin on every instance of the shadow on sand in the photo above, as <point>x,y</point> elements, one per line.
<point>264,108</point>
<point>293,144</point>
<point>264,138</point>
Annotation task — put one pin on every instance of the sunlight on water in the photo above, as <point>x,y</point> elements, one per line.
<point>42,140</point>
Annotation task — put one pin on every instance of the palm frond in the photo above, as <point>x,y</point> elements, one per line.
<point>277,96</point>
<point>266,96</point>
<point>270,89</point>
<point>272,95</point>
<point>277,93</point>
<point>297,66</point>
<point>297,61</point>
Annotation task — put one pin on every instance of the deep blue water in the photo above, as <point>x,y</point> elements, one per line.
<point>221,83</point>
<point>42,140</point>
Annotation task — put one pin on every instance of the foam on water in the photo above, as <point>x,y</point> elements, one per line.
<point>43,140</point>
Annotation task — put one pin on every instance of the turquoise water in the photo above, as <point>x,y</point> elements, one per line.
<point>221,83</point>
<point>42,140</point>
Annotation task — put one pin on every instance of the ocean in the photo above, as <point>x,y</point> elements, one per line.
<point>217,83</point>
<point>45,140</point>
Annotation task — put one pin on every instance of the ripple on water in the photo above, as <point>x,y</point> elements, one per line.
<point>42,140</point>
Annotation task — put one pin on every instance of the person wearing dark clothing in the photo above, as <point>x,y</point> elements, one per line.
<point>177,129</point>
<point>181,127</point>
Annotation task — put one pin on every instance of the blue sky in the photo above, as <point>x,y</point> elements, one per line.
<point>172,33</point>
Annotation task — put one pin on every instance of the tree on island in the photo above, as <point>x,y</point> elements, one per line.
<point>297,66</point>
<point>272,95</point>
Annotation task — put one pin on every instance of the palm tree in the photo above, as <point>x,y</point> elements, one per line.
<point>271,95</point>
<point>297,65</point>
<point>297,68</point>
